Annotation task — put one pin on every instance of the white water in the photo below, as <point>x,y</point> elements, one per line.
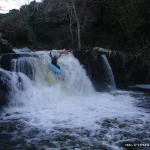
<point>49,102</point>
<point>109,77</point>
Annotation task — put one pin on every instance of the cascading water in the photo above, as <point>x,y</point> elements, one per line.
<point>108,74</point>
<point>26,65</point>
<point>50,113</point>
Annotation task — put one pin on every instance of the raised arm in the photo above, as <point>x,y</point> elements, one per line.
<point>50,55</point>
<point>64,51</point>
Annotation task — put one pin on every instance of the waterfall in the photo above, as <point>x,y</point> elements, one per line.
<point>56,101</point>
<point>26,65</point>
<point>36,68</point>
<point>47,112</point>
<point>107,73</point>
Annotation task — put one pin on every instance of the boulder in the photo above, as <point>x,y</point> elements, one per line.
<point>28,64</point>
<point>93,64</point>
<point>6,59</point>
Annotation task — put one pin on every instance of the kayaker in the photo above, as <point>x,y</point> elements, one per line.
<point>55,54</point>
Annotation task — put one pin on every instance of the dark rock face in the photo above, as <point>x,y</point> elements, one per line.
<point>118,62</point>
<point>127,69</point>
<point>5,47</point>
<point>9,85</point>
<point>6,63</point>
<point>139,70</point>
<point>5,87</point>
<point>6,59</point>
<point>94,66</point>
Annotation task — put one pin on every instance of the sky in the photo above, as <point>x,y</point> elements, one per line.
<point>6,5</point>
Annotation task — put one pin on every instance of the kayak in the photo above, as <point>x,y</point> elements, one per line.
<point>55,70</point>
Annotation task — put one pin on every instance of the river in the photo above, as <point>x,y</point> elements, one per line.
<point>50,113</point>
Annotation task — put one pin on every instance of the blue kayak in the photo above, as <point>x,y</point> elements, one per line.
<point>54,69</point>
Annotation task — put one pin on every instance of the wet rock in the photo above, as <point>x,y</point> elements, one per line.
<point>141,87</point>
<point>6,60</point>
<point>5,87</point>
<point>94,64</point>
<point>8,86</point>
<point>127,68</point>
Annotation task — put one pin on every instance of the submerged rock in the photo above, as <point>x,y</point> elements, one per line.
<point>141,87</point>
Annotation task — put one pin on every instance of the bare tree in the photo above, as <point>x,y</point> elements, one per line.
<point>73,15</point>
<point>68,8</point>
<point>77,22</point>
<point>79,14</point>
<point>70,14</point>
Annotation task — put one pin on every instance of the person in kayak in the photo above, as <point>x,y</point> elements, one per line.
<point>55,54</point>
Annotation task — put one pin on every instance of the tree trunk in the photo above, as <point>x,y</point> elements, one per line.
<point>70,27</point>
<point>78,25</point>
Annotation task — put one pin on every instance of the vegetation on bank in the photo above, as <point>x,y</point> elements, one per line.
<point>114,24</point>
